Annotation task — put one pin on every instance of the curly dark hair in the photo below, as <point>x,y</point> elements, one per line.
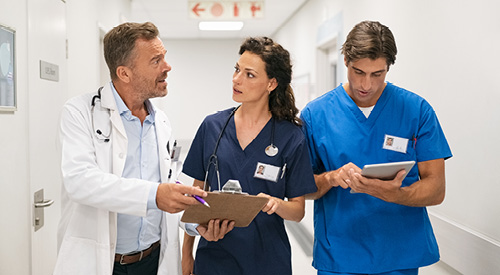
<point>278,66</point>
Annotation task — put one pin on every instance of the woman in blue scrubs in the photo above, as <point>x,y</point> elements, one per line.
<point>263,148</point>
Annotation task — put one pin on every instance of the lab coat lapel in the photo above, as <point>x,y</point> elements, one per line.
<point>119,136</point>
<point>108,101</point>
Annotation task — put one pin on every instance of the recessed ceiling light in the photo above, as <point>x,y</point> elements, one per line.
<point>220,25</point>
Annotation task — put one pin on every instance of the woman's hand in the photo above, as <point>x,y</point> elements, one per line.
<point>215,229</point>
<point>187,264</point>
<point>187,261</point>
<point>291,209</point>
<point>272,205</point>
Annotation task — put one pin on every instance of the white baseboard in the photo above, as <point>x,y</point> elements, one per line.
<point>465,250</point>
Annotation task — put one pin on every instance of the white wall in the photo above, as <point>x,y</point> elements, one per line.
<point>83,45</point>
<point>448,54</point>
<point>85,20</point>
<point>200,82</point>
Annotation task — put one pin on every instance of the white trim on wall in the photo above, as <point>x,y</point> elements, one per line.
<point>465,249</point>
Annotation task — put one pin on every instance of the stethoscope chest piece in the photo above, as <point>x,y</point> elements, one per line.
<point>271,150</point>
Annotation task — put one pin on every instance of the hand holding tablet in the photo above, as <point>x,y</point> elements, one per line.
<point>386,171</point>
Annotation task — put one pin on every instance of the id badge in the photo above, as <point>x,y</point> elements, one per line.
<point>394,143</point>
<point>266,172</point>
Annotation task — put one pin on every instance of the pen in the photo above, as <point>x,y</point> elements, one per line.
<point>283,170</point>
<point>198,198</point>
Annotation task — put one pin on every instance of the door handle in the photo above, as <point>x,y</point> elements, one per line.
<point>39,203</point>
<point>44,203</point>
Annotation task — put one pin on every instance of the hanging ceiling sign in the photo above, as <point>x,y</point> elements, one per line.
<point>226,10</point>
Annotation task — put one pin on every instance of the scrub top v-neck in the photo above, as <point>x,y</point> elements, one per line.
<point>262,247</point>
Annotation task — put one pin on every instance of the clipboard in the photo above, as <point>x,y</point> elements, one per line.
<point>240,208</point>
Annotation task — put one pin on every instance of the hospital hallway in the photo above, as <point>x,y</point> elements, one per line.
<point>447,55</point>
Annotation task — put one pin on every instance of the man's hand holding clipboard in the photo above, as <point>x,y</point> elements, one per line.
<point>233,206</point>
<point>240,208</point>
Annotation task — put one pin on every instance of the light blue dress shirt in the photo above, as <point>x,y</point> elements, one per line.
<point>138,233</point>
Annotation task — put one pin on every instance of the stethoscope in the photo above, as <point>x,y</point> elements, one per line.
<point>271,150</point>
<point>99,134</point>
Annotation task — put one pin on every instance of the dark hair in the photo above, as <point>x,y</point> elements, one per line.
<point>278,66</point>
<point>119,43</point>
<point>370,39</point>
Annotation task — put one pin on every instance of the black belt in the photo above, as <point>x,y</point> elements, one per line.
<point>124,259</point>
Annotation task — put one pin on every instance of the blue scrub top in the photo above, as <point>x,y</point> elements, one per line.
<point>263,246</point>
<point>358,233</point>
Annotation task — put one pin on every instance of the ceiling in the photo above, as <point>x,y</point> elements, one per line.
<point>176,19</point>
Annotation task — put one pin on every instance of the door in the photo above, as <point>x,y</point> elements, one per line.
<point>47,91</point>
<point>15,230</point>
<point>327,58</point>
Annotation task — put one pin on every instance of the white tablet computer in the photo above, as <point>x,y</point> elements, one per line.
<point>386,171</point>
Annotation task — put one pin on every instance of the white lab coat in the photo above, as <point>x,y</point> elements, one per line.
<point>93,190</point>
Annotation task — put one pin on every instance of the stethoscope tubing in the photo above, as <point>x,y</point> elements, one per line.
<point>213,157</point>
<point>99,134</point>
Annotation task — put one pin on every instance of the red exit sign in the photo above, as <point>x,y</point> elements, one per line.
<point>226,10</point>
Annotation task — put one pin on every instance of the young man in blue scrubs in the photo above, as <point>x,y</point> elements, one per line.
<point>364,225</point>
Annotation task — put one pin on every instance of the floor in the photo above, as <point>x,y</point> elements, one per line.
<point>301,264</point>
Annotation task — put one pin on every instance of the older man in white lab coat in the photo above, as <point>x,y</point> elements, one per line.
<point>118,174</point>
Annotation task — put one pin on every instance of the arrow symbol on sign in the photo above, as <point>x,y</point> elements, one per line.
<point>196,9</point>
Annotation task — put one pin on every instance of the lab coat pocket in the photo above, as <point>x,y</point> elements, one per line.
<point>83,256</point>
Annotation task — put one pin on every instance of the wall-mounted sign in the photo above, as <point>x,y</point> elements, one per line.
<point>226,10</point>
<point>49,71</point>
